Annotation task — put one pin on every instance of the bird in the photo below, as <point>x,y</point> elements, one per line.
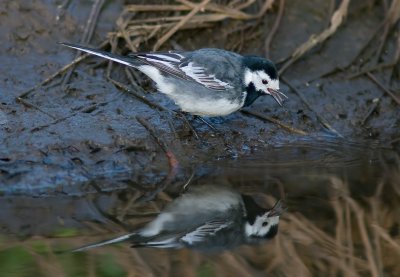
<point>207,218</point>
<point>207,82</point>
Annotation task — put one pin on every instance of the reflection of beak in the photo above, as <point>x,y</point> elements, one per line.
<point>278,96</point>
<point>278,209</point>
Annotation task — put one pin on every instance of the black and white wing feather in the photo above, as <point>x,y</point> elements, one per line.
<point>211,68</point>
<point>176,64</point>
<point>205,231</point>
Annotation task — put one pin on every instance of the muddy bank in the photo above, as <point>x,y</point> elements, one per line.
<point>98,136</point>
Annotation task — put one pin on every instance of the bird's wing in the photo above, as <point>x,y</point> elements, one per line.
<point>174,239</point>
<point>198,66</point>
<point>183,66</point>
<point>206,230</point>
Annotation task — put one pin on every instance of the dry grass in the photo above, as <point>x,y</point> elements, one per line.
<point>157,21</point>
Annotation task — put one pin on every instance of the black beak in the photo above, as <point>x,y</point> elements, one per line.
<point>278,209</point>
<point>278,96</point>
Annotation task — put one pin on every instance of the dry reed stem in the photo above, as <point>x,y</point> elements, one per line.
<point>274,28</point>
<point>343,225</point>
<point>174,29</point>
<point>275,121</point>
<point>339,230</point>
<point>320,118</point>
<point>359,214</point>
<point>86,36</point>
<point>376,214</point>
<point>386,237</point>
<point>349,237</point>
<point>382,87</point>
<point>336,20</point>
<point>136,32</point>
<point>52,267</point>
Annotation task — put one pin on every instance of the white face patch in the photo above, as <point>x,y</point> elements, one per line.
<point>261,226</point>
<point>257,77</point>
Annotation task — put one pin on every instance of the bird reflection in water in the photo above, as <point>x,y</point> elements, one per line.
<point>206,218</point>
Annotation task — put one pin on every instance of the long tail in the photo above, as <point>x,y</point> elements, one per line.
<point>110,56</point>
<point>105,242</point>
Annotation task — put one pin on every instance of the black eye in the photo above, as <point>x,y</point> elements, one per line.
<point>265,224</point>
<point>264,81</point>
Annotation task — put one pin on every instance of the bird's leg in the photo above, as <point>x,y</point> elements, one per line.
<point>183,116</point>
<point>206,122</point>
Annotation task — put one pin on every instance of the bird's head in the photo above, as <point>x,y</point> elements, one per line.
<point>265,225</point>
<point>261,77</point>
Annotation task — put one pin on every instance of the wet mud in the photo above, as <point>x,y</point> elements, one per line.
<point>99,133</point>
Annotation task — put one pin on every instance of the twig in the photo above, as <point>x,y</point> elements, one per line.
<point>184,187</point>
<point>370,111</point>
<point>374,68</point>
<point>392,16</point>
<point>186,121</point>
<point>367,43</point>
<point>143,29</point>
<point>336,20</point>
<point>51,77</point>
<point>138,96</point>
<point>275,121</point>
<point>358,212</point>
<point>60,71</point>
<point>333,71</point>
<point>320,118</point>
<point>83,110</point>
<point>386,237</point>
<point>382,43</point>
<point>274,28</point>
<point>332,6</point>
<point>236,12</point>
<point>113,44</point>
<point>381,86</point>
<point>87,35</point>
<point>174,29</point>
<point>173,163</point>
<point>396,59</point>
<point>61,9</point>
<point>30,105</point>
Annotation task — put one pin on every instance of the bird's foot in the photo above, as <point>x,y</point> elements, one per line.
<point>186,121</point>
<point>207,123</point>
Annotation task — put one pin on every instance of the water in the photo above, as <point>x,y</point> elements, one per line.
<point>342,218</point>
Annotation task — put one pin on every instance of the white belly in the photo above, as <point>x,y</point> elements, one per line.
<point>204,107</point>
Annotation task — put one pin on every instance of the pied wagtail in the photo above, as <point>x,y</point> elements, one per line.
<point>206,82</point>
<point>205,218</point>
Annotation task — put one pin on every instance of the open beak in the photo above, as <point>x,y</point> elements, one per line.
<point>278,96</point>
<point>278,209</point>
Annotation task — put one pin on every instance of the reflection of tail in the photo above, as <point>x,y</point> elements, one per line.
<point>129,61</point>
<point>105,242</point>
